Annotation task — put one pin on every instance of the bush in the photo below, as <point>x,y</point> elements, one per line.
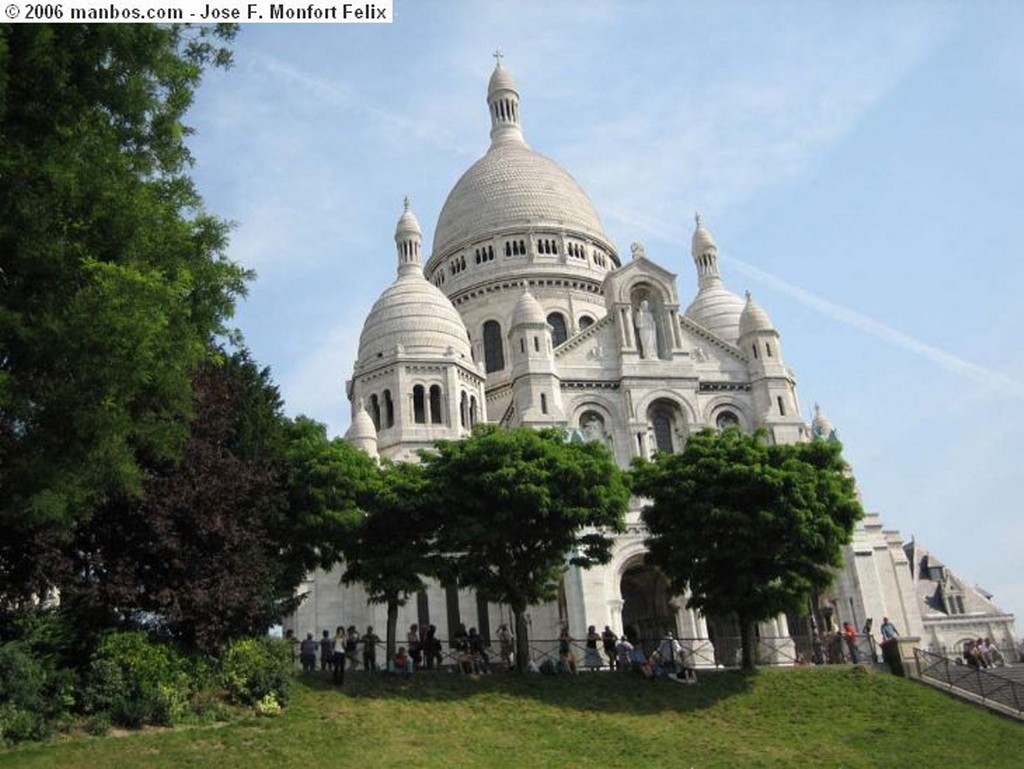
<point>253,668</point>
<point>137,682</point>
<point>27,696</point>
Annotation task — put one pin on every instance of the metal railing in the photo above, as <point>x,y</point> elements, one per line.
<point>701,653</point>
<point>979,684</point>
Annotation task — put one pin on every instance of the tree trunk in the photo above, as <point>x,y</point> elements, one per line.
<point>522,638</point>
<point>746,642</point>
<point>389,649</point>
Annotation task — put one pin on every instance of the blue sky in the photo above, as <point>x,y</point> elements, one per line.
<point>860,165</point>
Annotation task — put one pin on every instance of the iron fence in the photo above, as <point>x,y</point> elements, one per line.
<point>984,684</point>
<point>701,653</point>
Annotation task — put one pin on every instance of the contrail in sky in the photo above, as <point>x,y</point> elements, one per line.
<point>879,330</point>
<point>845,315</point>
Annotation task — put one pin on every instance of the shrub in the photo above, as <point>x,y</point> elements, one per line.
<point>252,668</point>
<point>137,682</point>
<point>98,724</point>
<point>23,695</point>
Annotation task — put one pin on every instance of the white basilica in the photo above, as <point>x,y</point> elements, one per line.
<point>525,314</point>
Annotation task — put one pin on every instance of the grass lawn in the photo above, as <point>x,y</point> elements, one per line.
<point>827,717</point>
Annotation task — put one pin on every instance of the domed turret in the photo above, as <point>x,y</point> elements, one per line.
<point>527,310</point>
<point>409,240</point>
<point>754,318</point>
<point>503,102</point>
<point>715,308</point>
<point>821,427</point>
<point>361,433</point>
<point>412,315</point>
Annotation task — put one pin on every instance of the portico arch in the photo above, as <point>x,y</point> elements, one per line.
<point>647,610</point>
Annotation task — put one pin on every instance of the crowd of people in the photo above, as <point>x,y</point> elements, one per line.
<point>470,653</point>
<point>982,653</point>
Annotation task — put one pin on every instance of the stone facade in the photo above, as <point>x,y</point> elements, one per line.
<point>525,314</point>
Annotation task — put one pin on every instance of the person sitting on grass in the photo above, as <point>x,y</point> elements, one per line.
<point>623,654</point>
<point>641,664</point>
<point>401,664</point>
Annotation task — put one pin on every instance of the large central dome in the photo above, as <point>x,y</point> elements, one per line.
<point>513,186</point>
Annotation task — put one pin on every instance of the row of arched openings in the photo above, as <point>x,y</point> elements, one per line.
<point>668,426</point>
<point>494,353</point>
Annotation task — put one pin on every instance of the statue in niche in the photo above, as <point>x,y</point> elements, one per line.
<point>646,331</point>
<point>593,429</point>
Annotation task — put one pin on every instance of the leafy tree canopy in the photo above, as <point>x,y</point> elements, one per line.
<point>388,548</point>
<point>113,280</point>
<point>751,529</point>
<point>516,506</point>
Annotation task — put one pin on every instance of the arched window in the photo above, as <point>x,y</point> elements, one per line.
<point>586,322</point>
<point>558,332</point>
<point>375,411</point>
<point>494,356</point>
<point>543,403</point>
<point>435,405</point>
<point>472,410</point>
<point>726,419</point>
<point>419,411</point>
<point>768,348</point>
<point>463,409</point>
<point>389,410</point>
<point>662,425</point>
<point>665,419</point>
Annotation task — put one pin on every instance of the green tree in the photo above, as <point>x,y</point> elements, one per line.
<point>388,549</point>
<point>113,280</point>
<point>515,507</point>
<point>751,529</point>
<point>200,554</point>
<point>328,483</point>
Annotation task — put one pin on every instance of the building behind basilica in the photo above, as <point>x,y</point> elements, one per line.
<point>525,314</point>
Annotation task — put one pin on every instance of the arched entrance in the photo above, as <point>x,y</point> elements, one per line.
<point>646,611</point>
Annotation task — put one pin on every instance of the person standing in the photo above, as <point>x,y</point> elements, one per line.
<point>338,656</point>
<point>505,644</point>
<point>351,646</point>
<point>591,659</point>
<point>370,641</point>
<point>412,638</point>
<point>307,653</point>
<point>608,641</point>
<point>850,634</point>
<point>888,630</point>
<point>326,650</point>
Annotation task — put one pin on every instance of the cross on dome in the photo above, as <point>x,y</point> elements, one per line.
<point>498,56</point>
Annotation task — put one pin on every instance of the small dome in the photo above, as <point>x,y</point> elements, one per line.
<point>527,311</point>
<point>753,318</point>
<point>821,427</point>
<point>362,428</point>
<point>408,224</point>
<point>501,80</point>
<point>702,242</point>
<point>717,310</point>
<point>413,314</point>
